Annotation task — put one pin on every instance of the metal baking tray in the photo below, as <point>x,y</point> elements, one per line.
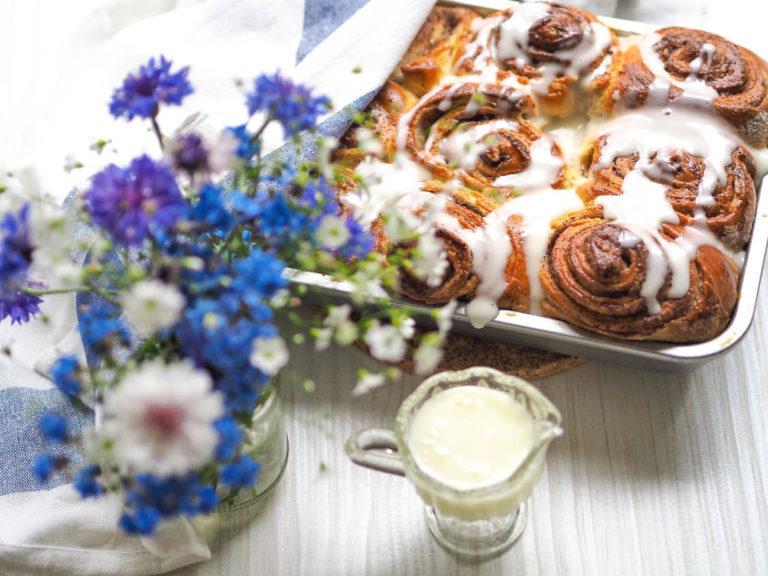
<point>557,336</point>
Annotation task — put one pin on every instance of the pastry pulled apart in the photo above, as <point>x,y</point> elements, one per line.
<point>606,181</point>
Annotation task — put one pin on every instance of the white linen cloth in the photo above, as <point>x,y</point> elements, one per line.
<point>59,67</point>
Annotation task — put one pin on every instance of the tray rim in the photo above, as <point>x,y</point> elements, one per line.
<point>559,336</point>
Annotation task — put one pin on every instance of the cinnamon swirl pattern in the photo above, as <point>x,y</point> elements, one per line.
<point>627,218</point>
<point>696,68</point>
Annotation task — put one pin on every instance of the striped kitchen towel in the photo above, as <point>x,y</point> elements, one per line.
<point>47,529</point>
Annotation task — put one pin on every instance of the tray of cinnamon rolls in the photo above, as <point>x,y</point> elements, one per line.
<point>594,185</point>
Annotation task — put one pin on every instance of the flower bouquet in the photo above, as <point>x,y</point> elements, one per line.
<point>180,263</point>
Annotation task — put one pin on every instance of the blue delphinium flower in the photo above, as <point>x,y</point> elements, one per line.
<point>65,374</point>
<point>189,153</point>
<point>100,322</point>
<point>279,222</point>
<point>44,466</point>
<point>54,427</point>
<point>86,482</point>
<point>260,274</point>
<point>152,498</point>
<point>293,105</point>
<point>240,474</point>
<point>15,259</point>
<point>318,195</point>
<point>142,93</point>
<point>230,436</point>
<point>127,201</point>
<point>360,242</point>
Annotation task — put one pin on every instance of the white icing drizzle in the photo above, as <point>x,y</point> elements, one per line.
<point>654,133</point>
<point>642,207</point>
<point>695,90</point>
<point>513,43</point>
<point>542,170</point>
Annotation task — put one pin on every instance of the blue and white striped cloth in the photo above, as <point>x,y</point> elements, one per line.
<point>47,529</point>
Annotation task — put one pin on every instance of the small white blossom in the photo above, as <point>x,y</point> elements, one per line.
<point>346,333</point>
<point>326,146</point>
<point>323,338</point>
<point>269,355</point>
<point>280,299</point>
<point>445,317</point>
<point>430,261</point>
<point>160,418</point>
<point>367,382</point>
<point>152,305</point>
<point>333,232</point>
<point>385,342</point>
<point>71,163</point>
<point>426,357</point>
<point>337,315</point>
<point>367,141</point>
<point>407,328</point>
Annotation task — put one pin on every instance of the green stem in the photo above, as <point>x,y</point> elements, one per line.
<point>48,291</point>
<point>158,133</point>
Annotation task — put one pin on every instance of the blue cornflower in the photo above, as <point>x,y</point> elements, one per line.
<point>127,201</point>
<point>19,307</point>
<point>247,144</point>
<point>45,465</point>
<point>53,427</point>
<point>239,474</point>
<point>143,521</point>
<point>15,259</point>
<point>259,273</point>
<point>229,438</point>
<point>293,105</point>
<point>65,374</point>
<point>99,323</point>
<point>86,484</point>
<point>141,94</point>
<point>189,153</point>
<point>210,209</point>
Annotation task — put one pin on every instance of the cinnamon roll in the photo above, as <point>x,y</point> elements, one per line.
<point>482,139</point>
<point>707,177</point>
<point>550,47</point>
<point>692,67</point>
<point>598,275</point>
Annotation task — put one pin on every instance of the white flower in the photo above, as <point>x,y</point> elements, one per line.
<point>269,355</point>
<point>430,261</point>
<point>326,146</point>
<point>333,232</point>
<point>323,338</point>
<point>281,298</point>
<point>160,418</point>
<point>445,317</point>
<point>385,342</point>
<point>367,141</point>
<point>427,357</point>
<point>152,305</point>
<point>346,333</point>
<point>407,328</point>
<point>367,382</point>
<point>337,315</point>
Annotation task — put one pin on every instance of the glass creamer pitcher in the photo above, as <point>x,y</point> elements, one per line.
<point>472,521</point>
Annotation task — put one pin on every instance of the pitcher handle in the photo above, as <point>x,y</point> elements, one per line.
<point>376,449</point>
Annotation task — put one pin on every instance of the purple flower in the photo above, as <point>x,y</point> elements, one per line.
<point>293,105</point>
<point>127,201</point>
<point>15,259</point>
<point>141,94</point>
<point>188,153</point>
